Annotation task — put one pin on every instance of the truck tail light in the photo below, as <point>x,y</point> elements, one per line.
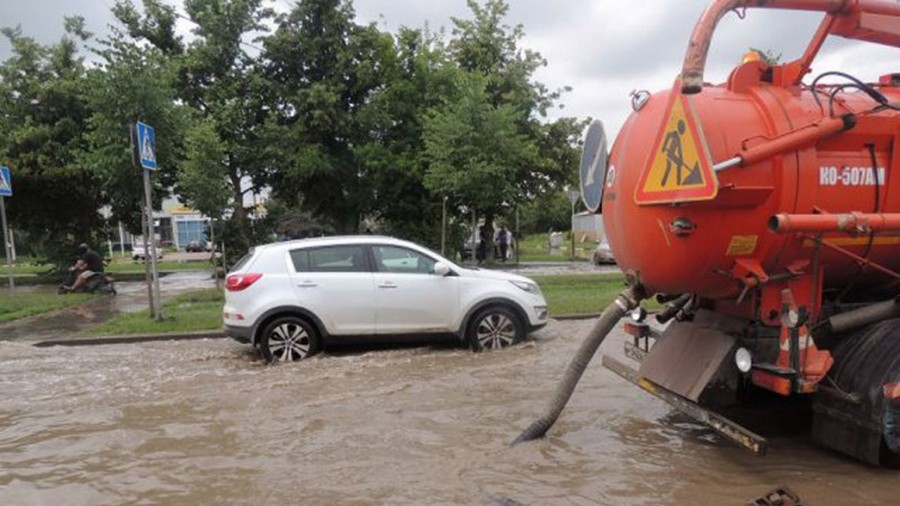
<point>238,282</point>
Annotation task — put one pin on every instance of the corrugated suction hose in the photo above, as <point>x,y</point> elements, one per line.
<point>626,301</point>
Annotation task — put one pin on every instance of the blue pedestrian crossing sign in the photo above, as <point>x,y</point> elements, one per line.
<point>146,145</point>
<point>5,182</point>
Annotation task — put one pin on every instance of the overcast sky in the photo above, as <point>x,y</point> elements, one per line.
<point>603,49</point>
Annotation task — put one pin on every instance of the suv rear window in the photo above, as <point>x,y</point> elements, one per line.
<point>244,259</point>
<point>300,258</point>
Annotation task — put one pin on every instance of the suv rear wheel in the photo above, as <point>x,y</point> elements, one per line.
<point>495,327</point>
<point>288,339</point>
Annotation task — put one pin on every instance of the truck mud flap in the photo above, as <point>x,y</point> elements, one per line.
<point>726,428</point>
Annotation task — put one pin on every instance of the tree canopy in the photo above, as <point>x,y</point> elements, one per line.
<point>339,123</point>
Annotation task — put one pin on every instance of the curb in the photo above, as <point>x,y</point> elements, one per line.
<point>137,338</point>
<point>579,316</point>
<point>203,334</point>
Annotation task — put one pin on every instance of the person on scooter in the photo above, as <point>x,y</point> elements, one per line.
<point>89,264</point>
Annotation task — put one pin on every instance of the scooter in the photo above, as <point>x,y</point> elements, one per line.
<point>97,283</point>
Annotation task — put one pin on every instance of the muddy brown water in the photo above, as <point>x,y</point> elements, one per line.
<point>204,422</point>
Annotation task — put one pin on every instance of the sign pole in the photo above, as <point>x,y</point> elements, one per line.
<point>155,302</point>
<point>143,140</point>
<point>6,246</point>
<point>573,197</point>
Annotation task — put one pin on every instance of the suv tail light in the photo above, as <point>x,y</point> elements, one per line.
<point>238,282</point>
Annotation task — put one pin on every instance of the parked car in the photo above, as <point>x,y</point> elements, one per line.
<point>137,252</point>
<point>289,299</point>
<point>197,246</point>
<point>603,254</point>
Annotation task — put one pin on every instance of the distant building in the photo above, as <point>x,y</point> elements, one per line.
<point>588,227</point>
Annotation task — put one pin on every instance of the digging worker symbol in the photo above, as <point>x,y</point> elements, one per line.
<point>675,157</point>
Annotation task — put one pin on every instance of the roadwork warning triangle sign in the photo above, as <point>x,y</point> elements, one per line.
<point>679,168</point>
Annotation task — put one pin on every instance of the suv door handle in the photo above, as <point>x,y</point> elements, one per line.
<point>387,284</point>
<point>307,284</point>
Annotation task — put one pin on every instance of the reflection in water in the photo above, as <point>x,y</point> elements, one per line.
<point>203,422</point>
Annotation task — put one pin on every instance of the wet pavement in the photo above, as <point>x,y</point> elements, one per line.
<point>204,422</point>
<point>132,296</point>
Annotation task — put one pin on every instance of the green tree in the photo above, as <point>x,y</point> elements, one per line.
<point>475,150</point>
<point>421,80</point>
<point>325,70</point>
<point>551,210</point>
<point>43,117</point>
<point>132,82</point>
<point>218,79</point>
<point>201,182</point>
<point>528,156</point>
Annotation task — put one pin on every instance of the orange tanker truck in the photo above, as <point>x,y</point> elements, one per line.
<point>765,213</point>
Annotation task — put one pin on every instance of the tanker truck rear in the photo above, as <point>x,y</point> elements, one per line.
<point>765,212</point>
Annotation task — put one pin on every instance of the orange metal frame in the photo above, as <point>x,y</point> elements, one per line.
<point>868,20</point>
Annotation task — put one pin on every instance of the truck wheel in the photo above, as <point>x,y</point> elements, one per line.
<point>493,328</point>
<point>288,339</point>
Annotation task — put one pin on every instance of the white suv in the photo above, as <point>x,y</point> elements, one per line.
<point>288,299</point>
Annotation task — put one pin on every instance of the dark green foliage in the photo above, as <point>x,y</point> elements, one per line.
<point>132,84</point>
<point>550,211</point>
<point>43,114</point>
<point>325,71</point>
<point>488,145</point>
<point>349,128</point>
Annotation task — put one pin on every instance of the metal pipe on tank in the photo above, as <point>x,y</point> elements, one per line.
<point>791,141</point>
<point>873,313</point>
<point>698,46</point>
<point>672,308</point>
<point>784,223</point>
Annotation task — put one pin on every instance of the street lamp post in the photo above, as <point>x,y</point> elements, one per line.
<point>444,227</point>
<point>573,195</point>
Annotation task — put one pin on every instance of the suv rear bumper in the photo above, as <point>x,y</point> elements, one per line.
<point>239,334</point>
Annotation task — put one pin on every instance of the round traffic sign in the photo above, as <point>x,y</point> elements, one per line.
<point>593,166</point>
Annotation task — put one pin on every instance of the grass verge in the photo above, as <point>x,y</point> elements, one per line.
<point>127,266</point>
<point>569,294</point>
<point>188,312</point>
<point>119,266</point>
<point>573,294</point>
<point>22,305</point>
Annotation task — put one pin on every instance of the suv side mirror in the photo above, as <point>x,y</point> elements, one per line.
<point>441,269</point>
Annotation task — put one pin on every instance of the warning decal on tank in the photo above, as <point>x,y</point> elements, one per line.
<point>679,169</point>
<point>742,245</point>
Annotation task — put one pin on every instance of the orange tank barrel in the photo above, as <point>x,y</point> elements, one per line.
<point>787,269</point>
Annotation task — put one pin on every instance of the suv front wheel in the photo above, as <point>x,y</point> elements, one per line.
<point>493,328</point>
<point>288,339</point>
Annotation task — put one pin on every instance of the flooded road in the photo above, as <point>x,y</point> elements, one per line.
<point>203,422</point>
